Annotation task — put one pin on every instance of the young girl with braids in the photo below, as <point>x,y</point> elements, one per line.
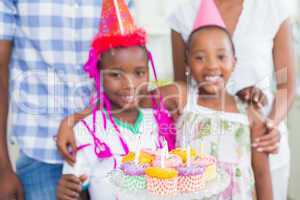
<point>118,62</point>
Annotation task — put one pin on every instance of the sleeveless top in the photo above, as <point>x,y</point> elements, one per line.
<point>253,38</point>
<point>224,135</point>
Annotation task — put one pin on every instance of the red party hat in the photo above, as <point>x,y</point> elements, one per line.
<point>117,28</point>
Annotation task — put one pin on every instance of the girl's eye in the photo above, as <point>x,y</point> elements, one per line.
<point>140,73</point>
<point>199,58</point>
<point>221,57</point>
<point>115,74</point>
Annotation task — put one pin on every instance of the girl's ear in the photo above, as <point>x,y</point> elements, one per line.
<point>187,71</point>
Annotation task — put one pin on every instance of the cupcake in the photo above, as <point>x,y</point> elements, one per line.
<point>172,161</point>
<point>134,176</point>
<point>191,178</point>
<point>145,157</point>
<point>209,163</point>
<point>161,181</point>
<point>182,153</point>
<point>134,173</point>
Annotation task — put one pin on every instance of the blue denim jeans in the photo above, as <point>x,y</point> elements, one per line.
<point>39,179</point>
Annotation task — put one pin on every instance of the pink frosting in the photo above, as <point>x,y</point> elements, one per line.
<point>132,169</point>
<point>206,161</point>
<point>151,152</point>
<point>172,161</point>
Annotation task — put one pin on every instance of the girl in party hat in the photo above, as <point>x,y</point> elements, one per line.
<point>214,121</point>
<point>118,62</point>
<point>266,66</point>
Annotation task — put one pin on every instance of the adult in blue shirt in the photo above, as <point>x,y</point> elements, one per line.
<point>43,46</point>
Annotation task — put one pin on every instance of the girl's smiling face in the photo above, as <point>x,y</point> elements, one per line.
<point>125,76</point>
<point>211,59</point>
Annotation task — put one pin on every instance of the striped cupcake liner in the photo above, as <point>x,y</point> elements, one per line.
<point>191,183</point>
<point>134,183</point>
<point>162,186</point>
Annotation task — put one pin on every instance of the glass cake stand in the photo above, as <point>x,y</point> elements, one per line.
<point>211,191</point>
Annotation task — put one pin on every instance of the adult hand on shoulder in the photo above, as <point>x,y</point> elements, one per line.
<point>10,186</point>
<point>66,142</point>
<point>254,96</point>
<point>268,143</point>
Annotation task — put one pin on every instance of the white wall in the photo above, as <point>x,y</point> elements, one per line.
<point>152,15</point>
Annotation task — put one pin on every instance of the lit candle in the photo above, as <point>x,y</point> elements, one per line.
<point>166,149</point>
<point>201,150</point>
<point>188,157</point>
<point>154,141</point>
<point>136,159</point>
<point>137,152</point>
<point>162,158</point>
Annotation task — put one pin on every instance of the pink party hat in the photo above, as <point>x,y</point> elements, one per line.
<point>208,14</point>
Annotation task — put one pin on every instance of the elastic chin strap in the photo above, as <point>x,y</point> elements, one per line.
<point>150,57</point>
<point>104,103</point>
<point>108,108</point>
<point>162,115</point>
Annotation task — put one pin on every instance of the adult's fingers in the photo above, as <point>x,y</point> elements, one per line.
<point>245,94</point>
<point>265,144</point>
<point>263,100</point>
<point>258,98</point>
<point>255,94</point>
<point>271,149</point>
<point>271,125</point>
<point>272,135</point>
<point>74,150</point>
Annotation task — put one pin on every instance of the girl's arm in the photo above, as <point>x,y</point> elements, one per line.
<point>69,187</point>
<point>260,161</point>
<point>75,179</point>
<point>174,97</point>
<point>178,49</point>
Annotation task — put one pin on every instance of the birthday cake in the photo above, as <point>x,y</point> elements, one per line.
<point>167,173</point>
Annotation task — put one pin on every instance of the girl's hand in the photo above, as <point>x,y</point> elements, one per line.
<point>66,138</point>
<point>269,143</point>
<point>253,95</point>
<point>66,142</point>
<point>69,187</point>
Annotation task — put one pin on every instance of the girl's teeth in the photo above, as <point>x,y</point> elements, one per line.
<point>129,98</point>
<point>212,78</point>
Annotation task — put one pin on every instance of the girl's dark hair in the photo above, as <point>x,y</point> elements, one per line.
<point>99,64</point>
<point>208,27</point>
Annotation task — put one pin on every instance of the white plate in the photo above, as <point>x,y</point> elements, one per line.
<point>213,188</point>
